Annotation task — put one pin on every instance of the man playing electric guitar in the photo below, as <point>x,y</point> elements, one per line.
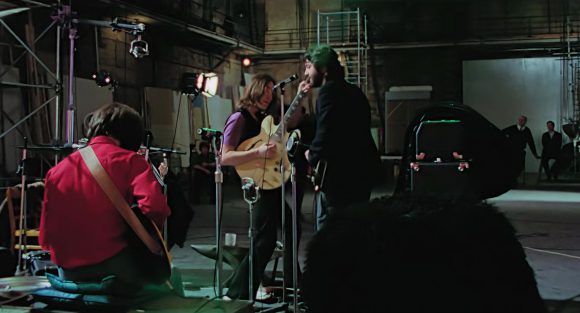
<point>261,156</point>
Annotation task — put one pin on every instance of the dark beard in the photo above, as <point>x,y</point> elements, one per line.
<point>316,81</point>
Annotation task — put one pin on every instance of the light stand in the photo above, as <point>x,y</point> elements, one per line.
<point>71,109</point>
<point>23,225</point>
<point>251,196</point>
<point>67,17</point>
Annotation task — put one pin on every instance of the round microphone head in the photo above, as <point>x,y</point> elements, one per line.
<point>290,143</point>
<point>293,142</point>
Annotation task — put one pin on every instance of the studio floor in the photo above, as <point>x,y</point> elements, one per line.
<point>546,216</point>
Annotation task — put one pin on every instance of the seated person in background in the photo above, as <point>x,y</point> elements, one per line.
<point>551,147</point>
<point>567,155</point>
<point>412,254</point>
<point>203,165</point>
<point>81,228</point>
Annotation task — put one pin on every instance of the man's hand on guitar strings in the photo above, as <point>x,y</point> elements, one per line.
<point>267,151</point>
<point>260,163</point>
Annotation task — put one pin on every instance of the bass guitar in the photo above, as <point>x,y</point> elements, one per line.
<point>318,175</point>
<point>269,176</point>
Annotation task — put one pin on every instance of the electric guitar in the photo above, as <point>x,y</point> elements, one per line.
<point>268,176</point>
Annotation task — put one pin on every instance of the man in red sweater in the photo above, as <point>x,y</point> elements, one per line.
<point>80,227</point>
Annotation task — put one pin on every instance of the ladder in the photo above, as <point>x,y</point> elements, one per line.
<point>346,32</point>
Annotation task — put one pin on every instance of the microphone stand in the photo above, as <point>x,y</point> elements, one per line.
<point>292,156</point>
<point>283,191</point>
<point>219,178</point>
<point>23,224</point>
<point>160,178</point>
<point>251,196</point>
<point>165,234</point>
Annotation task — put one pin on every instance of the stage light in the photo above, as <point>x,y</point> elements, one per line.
<point>194,84</point>
<point>102,78</point>
<point>139,48</point>
<point>207,83</point>
<point>246,62</point>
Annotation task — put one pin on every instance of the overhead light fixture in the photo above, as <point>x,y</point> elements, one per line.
<point>139,48</point>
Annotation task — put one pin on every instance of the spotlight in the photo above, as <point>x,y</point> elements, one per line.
<point>139,48</point>
<point>193,84</point>
<point>246,62</point>
<point>207,83</point>
<point>102,78</point>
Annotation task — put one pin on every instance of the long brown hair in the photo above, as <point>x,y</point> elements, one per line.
<point>255,90</point>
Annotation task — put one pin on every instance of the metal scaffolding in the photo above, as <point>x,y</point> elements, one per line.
<point>346,32</point>
<point>43,86</point>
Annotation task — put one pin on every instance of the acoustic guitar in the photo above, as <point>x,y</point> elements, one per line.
<point>145,237</point>
<point>269,176</point>
<point>156,266</point>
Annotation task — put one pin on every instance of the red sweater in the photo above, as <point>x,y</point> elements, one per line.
<point>79,225</point>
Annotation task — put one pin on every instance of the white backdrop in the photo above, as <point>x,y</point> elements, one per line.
<point>502,90</point>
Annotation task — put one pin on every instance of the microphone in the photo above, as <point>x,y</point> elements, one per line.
<point>209,132</point>
<point>294,144</point>
<point>247,183</point>
<point>286,81</point>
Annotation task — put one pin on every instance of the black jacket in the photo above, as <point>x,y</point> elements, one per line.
<point>519,139</point>
<point>342,113</point>
<point>551,146</point>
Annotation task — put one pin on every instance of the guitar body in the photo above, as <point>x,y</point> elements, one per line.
<point>157,268</point>
<point>266,176</point>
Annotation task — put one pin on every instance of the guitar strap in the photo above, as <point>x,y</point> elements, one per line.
<point>103,179</point>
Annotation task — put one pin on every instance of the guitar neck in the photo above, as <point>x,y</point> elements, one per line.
<point>290,112</point>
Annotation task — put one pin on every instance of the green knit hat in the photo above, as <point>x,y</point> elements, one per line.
<point>322,56</point>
